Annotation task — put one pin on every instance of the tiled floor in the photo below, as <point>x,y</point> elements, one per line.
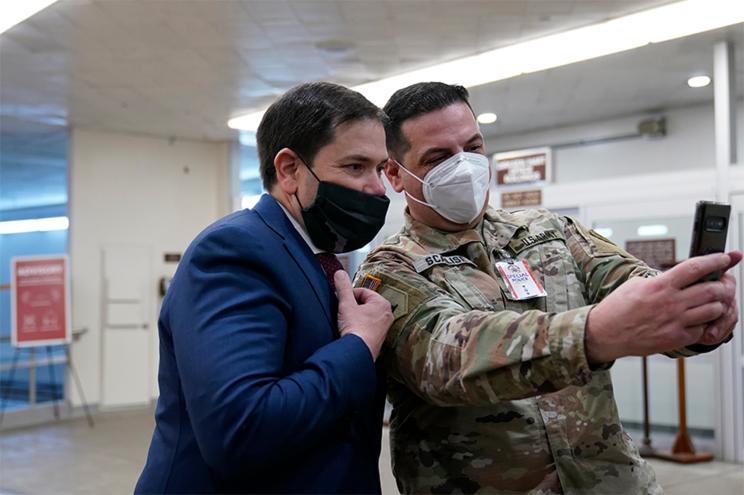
<point>69,457</point>
<point>700,479</point>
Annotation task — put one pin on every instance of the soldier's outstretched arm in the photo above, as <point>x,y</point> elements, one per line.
<point>645,316</point>
<point>451,355</point>
<point>606,267</point>
<point>603,265</point>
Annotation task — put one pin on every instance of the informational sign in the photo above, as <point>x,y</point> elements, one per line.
<point>658,253</point>
<point>516,199</point>
<point>522,166</point>
<point>40,301</point>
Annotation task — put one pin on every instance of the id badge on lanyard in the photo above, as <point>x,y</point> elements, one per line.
<point>520,280</point>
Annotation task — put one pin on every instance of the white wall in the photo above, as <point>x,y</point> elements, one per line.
<point>689,144</point>
<point>140,190</point>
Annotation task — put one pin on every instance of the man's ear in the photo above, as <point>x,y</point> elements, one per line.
<point>393,174</point>
<point>287,164</point>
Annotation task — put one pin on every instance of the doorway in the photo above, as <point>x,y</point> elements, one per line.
<point>127,349</point>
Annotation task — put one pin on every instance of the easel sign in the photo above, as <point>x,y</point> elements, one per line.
<point>40,301</point>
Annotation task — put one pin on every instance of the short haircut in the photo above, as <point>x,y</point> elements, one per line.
<point>412,101</point>
<point>305,119</point>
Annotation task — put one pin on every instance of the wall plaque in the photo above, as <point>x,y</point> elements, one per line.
<point>657,253</point>
<point>515,199</point>
<point>522,166</point>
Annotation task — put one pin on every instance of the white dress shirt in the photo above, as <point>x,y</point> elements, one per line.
<point>301,230</point>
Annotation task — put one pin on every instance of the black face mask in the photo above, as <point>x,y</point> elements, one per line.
<point>342,219</point>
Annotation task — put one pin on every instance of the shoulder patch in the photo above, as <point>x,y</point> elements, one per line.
<point>437,259</point>
<point>527,241</point>
<point>370,282</point>
<point>397,298</point>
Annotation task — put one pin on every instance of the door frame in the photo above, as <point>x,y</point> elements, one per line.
<point>730,366</point>
<point>149,298</point>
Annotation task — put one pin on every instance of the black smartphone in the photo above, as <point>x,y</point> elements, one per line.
<point>709,231</point>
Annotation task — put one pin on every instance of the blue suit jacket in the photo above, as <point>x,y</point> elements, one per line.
<point>258,394</point>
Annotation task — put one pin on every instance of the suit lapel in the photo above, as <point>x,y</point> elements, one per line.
<point>273,215</point>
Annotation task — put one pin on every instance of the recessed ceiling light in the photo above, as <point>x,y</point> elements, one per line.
<point>667,22</point>
<point>487,118</point>
<point>698,81</point>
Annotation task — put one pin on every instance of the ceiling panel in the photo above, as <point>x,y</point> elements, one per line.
<point>190,65</point>
<point>183,67</point>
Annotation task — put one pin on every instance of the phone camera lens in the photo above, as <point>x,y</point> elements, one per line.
<point>715,224</point>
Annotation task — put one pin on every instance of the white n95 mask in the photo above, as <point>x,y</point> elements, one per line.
<point>457,187</point>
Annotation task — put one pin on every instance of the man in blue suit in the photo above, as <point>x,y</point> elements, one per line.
<point>267,371</point>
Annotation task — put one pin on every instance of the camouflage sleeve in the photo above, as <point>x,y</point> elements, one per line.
<point>453,356</point>
<point>695,349</point>
<point>605,267</point>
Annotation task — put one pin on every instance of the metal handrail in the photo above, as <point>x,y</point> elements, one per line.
<point>76,334</point>
<point>34,363</point>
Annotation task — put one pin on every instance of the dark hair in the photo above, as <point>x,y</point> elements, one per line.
<point>414,100</point>
<point>305,119</point>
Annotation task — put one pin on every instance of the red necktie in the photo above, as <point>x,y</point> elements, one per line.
<point>330,265</point>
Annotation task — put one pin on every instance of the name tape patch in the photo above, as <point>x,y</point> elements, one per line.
<point>520,244</point>
<point>437,259</point>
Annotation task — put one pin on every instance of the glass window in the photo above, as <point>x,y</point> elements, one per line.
<point>251,187</point>
<point>33,189</point>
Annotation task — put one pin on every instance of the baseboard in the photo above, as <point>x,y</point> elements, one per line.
<point>43,414</point>
<point>669,429</point>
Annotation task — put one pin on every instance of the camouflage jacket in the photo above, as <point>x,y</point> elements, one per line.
<point>492,394</point>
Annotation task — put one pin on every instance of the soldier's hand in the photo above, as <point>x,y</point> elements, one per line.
<point>646,316</point>
<point>719,330</point>
<point>362,312</point>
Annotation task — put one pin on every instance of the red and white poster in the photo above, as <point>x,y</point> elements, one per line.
<point>39,301</point>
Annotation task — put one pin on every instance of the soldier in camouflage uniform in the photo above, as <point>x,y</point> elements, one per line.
<point>493,394</point>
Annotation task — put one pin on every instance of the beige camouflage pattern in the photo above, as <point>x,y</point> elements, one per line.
<point>493,395</point>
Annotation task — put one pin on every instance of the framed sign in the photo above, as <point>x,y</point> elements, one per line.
<point>517,199</point>
<point>40,301</point>
<point>659,253</point>
<point>523,166</point>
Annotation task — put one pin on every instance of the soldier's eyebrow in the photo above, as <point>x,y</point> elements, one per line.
<point>476,137</point>
<point>429,153</point>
